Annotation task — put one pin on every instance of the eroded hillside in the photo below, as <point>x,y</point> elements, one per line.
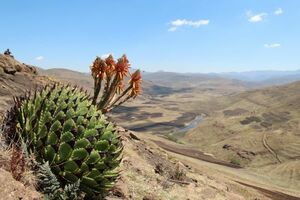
<point>258,130</point>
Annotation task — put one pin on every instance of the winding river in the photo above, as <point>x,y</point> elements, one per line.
<point>193,124</point>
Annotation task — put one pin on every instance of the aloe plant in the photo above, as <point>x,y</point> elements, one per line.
<point>60,126</point>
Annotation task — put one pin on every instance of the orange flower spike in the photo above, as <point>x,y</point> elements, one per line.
<point>95,67</point>
<point>135,82</point>
<point>102,70</point>
<point>122,67</point>
<point>98,68</point>
<point>110,63</point>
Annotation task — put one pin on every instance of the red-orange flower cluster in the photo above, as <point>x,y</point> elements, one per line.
<point>110,75</point>
<point>135,82</point>
<point>99,68</point>
<point>122,67</point>
<point>110,63</point>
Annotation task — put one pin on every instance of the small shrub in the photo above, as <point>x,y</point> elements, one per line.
<point>17,163</point>
<point>235,161</point>
<point>178,173</point>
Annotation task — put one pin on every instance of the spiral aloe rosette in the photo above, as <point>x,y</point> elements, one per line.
<point>60,125</point>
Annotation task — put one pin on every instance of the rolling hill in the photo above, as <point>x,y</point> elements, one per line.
<point>168,100</point>
<point>258,129</point>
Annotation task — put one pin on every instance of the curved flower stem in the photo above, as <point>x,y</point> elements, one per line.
<point>119,97</point>
<point>107,94</point>
<point>120,103</point>
<point>97,88</point>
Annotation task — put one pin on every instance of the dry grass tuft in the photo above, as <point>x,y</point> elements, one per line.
<point>17,163</point>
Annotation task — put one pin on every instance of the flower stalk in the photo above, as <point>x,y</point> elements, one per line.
<point>113,74</point>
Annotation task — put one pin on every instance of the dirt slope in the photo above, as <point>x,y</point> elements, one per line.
<point>148,172</point>
<point>260,130</point>
<point>15,79</point>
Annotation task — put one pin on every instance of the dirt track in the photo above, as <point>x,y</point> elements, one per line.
<point>272,194</point>
<point>193,153</point>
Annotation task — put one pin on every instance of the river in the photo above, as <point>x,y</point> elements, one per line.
<point>193,124</point>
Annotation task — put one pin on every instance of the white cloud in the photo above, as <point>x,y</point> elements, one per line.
<point>274,45</point>
<point>254,18</point>
<point>39,58</point>
<point>183,22</point>
<point>279,11</point>
<point>174,28</point>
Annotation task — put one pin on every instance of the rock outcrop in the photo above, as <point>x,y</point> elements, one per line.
<point>9,65</point>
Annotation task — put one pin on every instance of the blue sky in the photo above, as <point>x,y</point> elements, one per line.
<point>170,35</point>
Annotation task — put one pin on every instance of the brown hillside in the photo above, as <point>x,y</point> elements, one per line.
<point>258,129</point>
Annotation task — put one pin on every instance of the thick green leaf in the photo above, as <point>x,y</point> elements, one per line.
<point>112,148</point>
<point>81,143</point>
<point>79,154</point>
<point>69,125</point>
<point>66,137</point>
<point>80,130</point>
<point>111,174</point>
<point>89,181</point>
<point>100,166</point>
<point>55,126</point>
<point>42,132</point>
<point>92,123</point>
<point>69,176</point>
<point>70,113</point>
<point>84,168</point>
<point>90,133</point>
<point>71,166</point>
<point>80,120</point>
<point>82,110</point>
<point>93,173</point>
<point>93,158</point>
<point>107,136</point>
<point>50,153</point>
<point>55,169</point>
<point>59,116</point>
<point>102,145</point>
<point>64,151</point>
<point>52,138</point>
<point>62,104</point>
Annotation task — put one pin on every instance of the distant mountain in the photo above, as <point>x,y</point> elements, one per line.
<point>200,80</point>
<point>263,77</point>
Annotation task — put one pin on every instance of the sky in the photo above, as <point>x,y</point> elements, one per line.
<point>197,36</point>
